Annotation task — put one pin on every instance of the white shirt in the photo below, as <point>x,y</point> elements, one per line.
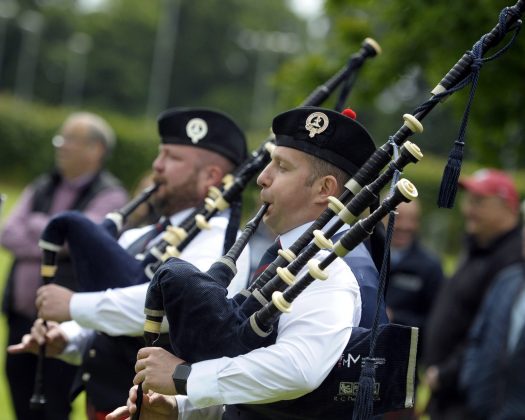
<point>310,340</point>
<point>121,311</point>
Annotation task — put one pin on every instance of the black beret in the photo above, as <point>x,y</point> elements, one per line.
<point>203,128</point>
<point>326,134</point>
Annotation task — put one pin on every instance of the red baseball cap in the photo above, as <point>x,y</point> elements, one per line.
<point>492,182</point>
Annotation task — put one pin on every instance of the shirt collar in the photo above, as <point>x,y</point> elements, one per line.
<point>79,181</point>
<point>177,218</point>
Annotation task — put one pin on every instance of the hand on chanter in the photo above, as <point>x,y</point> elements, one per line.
<point>154,368</point>
<point>154,407</point>
<point>49,334</point>
<point>52,302</point>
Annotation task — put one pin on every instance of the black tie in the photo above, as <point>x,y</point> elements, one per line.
<point>268,257</point>
<point>140,244</point>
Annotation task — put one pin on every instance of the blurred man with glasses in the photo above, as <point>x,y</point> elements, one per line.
<point>78,182</point>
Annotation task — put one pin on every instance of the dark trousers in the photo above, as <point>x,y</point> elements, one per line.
<point>448,409</point>
<point>233,413</point>
<point>20,372</point>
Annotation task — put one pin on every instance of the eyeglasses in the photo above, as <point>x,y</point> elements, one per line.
<point>59,140</point>
<point>3,197</point>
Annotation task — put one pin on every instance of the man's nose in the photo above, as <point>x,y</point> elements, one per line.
<point>264,179</point>
<point>158,164</point>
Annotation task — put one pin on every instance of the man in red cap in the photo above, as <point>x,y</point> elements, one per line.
<point>490,207</point>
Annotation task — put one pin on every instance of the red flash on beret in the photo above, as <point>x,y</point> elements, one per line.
<point>350,113</point>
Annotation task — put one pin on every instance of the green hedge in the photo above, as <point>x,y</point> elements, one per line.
<point>26,130</point>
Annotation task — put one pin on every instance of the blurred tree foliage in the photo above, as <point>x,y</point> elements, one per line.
<point>421,41</point>
<point>210,66</point>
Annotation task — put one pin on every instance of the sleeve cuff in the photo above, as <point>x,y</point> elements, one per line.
<point>81,307</point>
<point>113,311</point>
<point>203,386</point>
<point>188,412</point>
<point>77,338</point>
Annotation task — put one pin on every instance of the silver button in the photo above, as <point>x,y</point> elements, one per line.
<point>92,353</point>
<point>86,376</point>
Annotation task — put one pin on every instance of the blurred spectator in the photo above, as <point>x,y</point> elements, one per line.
<point>490,207</point>
<point>78,182</point>
<point>492,375</point>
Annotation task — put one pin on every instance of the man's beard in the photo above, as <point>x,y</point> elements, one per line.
<point>178,199</point>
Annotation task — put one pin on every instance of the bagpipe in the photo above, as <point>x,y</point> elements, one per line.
<point>176,239</point>
<point>183,282</point>
<point>77,228</point>
<point>261,323</point>
<point>369,48</point>
<point>176,289</point>
<point>259,327</point>
<point>96,255</point>
<point>193,293</point>
<point>336,397</point>
<point>115,220</point>
<point>188,297</point>
<point>170,247</point>
<point>101,263</point>
<point>84,238</point>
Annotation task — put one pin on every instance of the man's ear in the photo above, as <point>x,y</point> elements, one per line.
<point>326,186</point>
<point>212,175</point>
<point>99,152</point>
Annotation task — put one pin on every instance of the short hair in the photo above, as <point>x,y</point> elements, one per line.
<point>322,168</point>
<point>98,127</point>
<point>209,157</point>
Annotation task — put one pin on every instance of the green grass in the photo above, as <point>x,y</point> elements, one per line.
<point>6,409</point>
<point>12,194</point>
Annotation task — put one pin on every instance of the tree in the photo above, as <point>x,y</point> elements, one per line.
<point>421,42</point>
<point>210,66</point>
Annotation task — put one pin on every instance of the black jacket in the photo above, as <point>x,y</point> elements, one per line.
<point>44,189</point>
<point>457,305</point>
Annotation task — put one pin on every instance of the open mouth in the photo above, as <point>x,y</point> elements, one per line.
<point>161,187</point>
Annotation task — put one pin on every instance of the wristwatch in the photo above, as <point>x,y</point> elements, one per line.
<point>180,377</point>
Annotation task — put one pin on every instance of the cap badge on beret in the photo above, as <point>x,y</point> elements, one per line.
<point>196,129</point>
<point>316,123</point>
